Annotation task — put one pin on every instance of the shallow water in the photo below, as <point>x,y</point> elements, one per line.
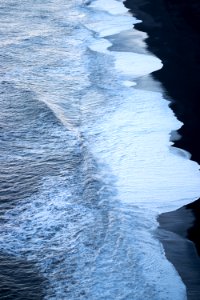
<point>86,162</point>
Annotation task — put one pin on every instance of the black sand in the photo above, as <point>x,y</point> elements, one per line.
<point>173,27</point>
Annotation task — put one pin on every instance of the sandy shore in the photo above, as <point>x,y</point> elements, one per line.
<point>173,28</point>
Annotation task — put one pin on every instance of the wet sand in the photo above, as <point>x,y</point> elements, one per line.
<point>173,28</point>
<point>180,251</point>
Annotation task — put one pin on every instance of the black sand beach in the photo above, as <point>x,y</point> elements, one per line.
<point>173,28</point>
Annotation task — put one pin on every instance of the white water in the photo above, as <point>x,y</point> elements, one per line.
<point>137,135</point>
<point>90,227</point>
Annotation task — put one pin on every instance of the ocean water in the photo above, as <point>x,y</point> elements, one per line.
<point>87,162</point>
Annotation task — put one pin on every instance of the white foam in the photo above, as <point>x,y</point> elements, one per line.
<point>134,142</point>
<point>137,135</point>
<point>112,6</point>
<point>129,83</point>
<point>111,25</point>
<point>100,45</point>
<point>130,64</point>
<point>131,40</point>
<point>136,65</point>
<point>106,24</point>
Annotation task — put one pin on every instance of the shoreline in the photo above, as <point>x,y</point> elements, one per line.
<point>173,29</point>
<point>179,250</point>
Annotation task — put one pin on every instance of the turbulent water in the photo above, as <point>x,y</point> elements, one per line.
<point>86,157</point>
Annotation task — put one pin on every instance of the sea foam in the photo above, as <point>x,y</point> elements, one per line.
<point>137,133</point>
